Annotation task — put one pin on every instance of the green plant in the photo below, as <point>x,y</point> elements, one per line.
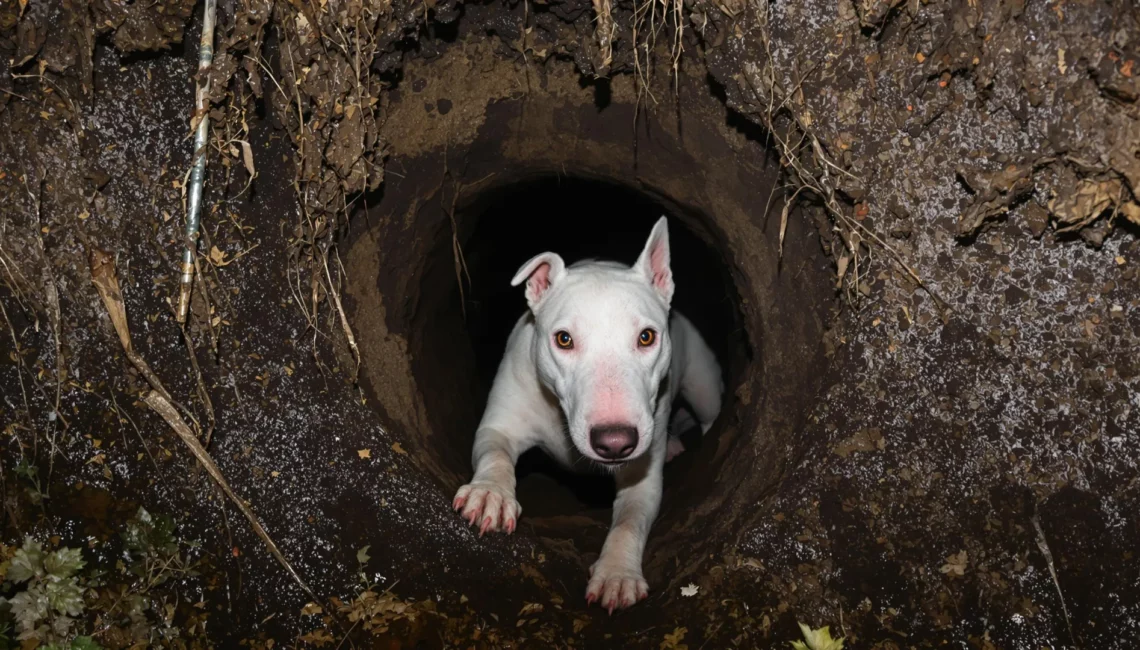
<point>46,609</point>
<point>31,474</point>
<point>817,639</point>
<point>154,550</point>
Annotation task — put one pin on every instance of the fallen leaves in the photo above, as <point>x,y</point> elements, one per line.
<point>955,564</point>
<point>364,453</point>
<point>672,640</point>
<point>690,590</point>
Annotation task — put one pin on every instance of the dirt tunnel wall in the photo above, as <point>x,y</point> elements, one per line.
<point>963,248</point>
<point>716,184</point>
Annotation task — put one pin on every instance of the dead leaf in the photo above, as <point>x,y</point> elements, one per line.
<point>364,453</point>
<point>247,158</point>
<point>955,564</point>
<point>396,447</point>
<point>672,641</point>
<point>531,608</point>
<point>311,609</point>
<point>690,590</point>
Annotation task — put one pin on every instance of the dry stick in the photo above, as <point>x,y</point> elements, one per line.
<point>157,402</point>
<point>203,394</point>
<point>1043,545</point>
<point>335,293</point>
<point>107,284</point>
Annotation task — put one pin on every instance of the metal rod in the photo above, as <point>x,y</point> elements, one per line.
<point>198,172</point>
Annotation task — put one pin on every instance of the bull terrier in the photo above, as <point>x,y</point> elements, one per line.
<point>591,372</point>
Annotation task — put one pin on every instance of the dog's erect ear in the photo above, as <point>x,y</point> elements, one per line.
<point>540,273</point>
<point>654,261</point>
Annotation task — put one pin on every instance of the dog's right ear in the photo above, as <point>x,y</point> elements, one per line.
<point>540,273</point>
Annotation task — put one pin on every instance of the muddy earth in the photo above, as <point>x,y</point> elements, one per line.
<point>908,228</point>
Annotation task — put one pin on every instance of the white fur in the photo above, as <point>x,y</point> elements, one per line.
<point>548,397</point>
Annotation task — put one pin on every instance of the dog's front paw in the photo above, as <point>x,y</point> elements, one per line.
<point>615,586</point>
<point>489,505</point>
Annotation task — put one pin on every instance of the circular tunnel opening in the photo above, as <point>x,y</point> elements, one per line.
<point>467,309</point>
<point>476,192</point>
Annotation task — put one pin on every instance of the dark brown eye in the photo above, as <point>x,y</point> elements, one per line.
<point>647,338</point>
<point>563,339</point>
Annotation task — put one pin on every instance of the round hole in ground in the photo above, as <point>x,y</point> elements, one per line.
<point>457,338</point>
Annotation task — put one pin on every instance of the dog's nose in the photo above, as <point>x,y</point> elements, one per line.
<point>613,442</point>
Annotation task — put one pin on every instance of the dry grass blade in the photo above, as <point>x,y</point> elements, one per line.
<point>1043,546</point>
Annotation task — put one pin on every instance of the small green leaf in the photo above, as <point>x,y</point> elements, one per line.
<point>817,639</point>
<point>28,562</point>
<point>85,643</point>
<point>65,597</point>
<point>362,555</point>
<point>64,563</point>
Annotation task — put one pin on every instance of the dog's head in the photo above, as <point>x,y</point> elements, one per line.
<point>602,344</point>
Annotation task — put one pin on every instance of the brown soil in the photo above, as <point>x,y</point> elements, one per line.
<point>955,463</point>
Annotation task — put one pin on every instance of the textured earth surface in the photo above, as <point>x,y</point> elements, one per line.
<point>965,175</point>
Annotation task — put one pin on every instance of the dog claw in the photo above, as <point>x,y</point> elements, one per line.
<point>489,506</point>
<point>616,587</point>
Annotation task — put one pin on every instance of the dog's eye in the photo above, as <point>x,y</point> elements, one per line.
<point>647,338</point>
<point>563,339</point>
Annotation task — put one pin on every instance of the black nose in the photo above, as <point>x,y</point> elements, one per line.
<point>614,441</point>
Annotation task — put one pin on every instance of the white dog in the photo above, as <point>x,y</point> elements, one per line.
<point>592,371</point>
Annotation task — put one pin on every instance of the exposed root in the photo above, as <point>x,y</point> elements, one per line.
<point>812,169</point>
<point>604,31</point>
<point>334,292</point>
<point>156,401</point>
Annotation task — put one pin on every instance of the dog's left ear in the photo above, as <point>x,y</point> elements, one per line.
<point>654,261</point>
<point>540,272</point>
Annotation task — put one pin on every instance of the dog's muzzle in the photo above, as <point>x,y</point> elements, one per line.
<point>613,442</point>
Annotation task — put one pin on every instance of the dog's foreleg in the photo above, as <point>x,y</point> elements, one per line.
<point>489,499</point>
<point>616,579</point>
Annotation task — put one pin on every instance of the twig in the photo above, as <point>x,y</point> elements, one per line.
<point>203,394</point>
<point>156,401</point>
<point>107,284</point>
<point>335,293</point>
